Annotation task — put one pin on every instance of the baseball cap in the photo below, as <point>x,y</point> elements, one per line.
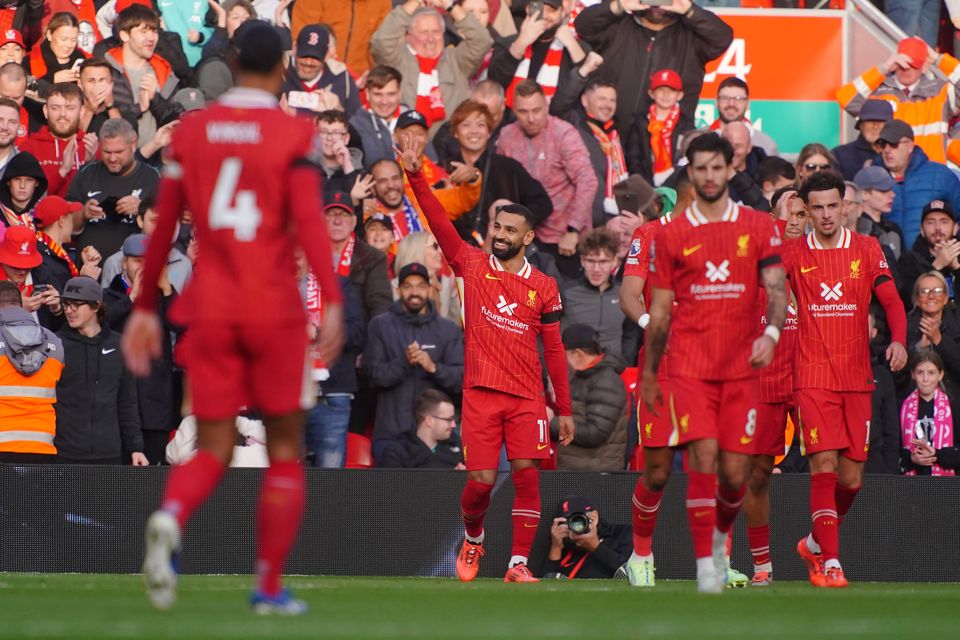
<point>339,200</point>
<point>82,288</point>
<point>895,131</point>
<point>12,35</point>
<point>52,208</point>
<point>135,246</point>
<point>413,269</point>
<point>875,110</point>
<point>313,42</point>
<point>378,218</point>
<point>666,78</point>
<point>938,206</point>
<point>581,336</point>
<point>633,194</point>
<point>19,248</point>
<point>190,99</point>
<point>575,504</point>
<point>875,178</point>
<point>409,119</point>
<point>915,49</point>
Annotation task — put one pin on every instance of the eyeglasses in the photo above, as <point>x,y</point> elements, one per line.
<point>934,291</point>
<point>451,419</point>
<point>737,99</point>
<point>331,134</point>
<point>810,166</point>
<point>75,304</point>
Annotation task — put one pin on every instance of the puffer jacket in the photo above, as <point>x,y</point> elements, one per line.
<point>924,181</point>
<point>599,401</point>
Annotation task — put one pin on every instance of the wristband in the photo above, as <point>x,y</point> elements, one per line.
<point>643,320</point>
<point>773,333</point>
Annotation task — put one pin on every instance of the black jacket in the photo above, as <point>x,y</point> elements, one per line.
<point>407,451</point>
<point>22,164</point>
<point>385,364</point>
<point>446,146</point>
<point>854,156</point>
<point>949,347</point>
<point>632,53</point>
<point>915,263</point>
<point>615,548</point>
<point>343,373</point>
<point>503,65</point>
<point>97,414</point>
<point>368,275</point>
<point>884,454</point>
<point>45,82</point>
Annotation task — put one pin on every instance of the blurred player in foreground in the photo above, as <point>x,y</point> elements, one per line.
<point>240,166</point>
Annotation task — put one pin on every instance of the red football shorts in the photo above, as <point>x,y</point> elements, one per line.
<point>233,366</point>
<point>725,411</point>
<point>771,427</point>
<point>835,421</point>
<point>492,418</point>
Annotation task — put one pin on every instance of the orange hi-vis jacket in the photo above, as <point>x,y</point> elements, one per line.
<point>928,109</point>
<point>27,418</point>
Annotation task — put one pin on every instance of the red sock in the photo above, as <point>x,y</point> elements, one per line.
<point>646,505</point>
<point>844,497</point>
<point>279,514</point>
<point>190,484</point>
<point>759,538</point>
<point>526,509</point>
<point>702,511</point>
<point>728,506</point>
<point>823,509</point>
<point>474,502</point>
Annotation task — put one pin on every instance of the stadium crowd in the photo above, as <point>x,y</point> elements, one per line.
<point>580,110</point>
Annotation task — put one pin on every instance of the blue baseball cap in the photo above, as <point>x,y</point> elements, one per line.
<point>875,178</point>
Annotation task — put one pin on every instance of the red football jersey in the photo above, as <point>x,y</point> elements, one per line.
<point>713,269</point>
<point>238,167</point>
<point>776,379</point>
<point>833,289</point>
<point>638,264</point>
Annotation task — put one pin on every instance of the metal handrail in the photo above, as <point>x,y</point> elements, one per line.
<point>877,18</point>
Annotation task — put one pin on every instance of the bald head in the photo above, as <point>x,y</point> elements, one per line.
<point>738,135</point>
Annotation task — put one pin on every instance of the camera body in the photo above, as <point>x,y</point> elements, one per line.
<point>578,523</point>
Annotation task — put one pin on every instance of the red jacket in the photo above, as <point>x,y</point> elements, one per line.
<point>49,152</point>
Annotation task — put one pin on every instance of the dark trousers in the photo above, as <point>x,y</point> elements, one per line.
<point>155,446</point>
<point>7,457</point>
<point>107,461</point>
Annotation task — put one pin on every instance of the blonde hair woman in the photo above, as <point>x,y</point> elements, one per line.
<point>422,247</point>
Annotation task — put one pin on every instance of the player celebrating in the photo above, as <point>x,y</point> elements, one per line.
<point>507,304</point>
<point>237,165</point>
<point>834,273</point>
<point>708,261</point>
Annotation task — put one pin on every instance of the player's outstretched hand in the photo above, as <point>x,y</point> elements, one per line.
<point>896,356</point>
<point>409,149</point>
<point>650,392</point>
<point>141,342</point>
<point>332,336</point>
<point>565,423</point>
<point>762,353</point>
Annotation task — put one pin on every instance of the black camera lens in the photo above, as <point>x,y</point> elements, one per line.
<point>579,523</point>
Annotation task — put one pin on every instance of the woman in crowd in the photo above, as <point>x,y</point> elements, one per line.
<point>926,422</point>
<point>57,58</point>
<point>422,247</point>
<point>814,157</point>
<point>933,325</point>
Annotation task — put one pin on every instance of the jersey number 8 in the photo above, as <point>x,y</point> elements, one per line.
<point>232,209</point>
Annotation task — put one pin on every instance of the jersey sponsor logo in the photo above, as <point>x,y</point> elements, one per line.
<point>507,324</point>
<point>506,307</point>
<point>718,272</point>
<point>829,293</point>
<point>807,269</point>
<point>743,246</point>
<point>234,132</point>
<point>689,251</point>
<point>634,249</point>
<point>531,298</point>
<point>835,308</point>
<point>490,276</point>
<point>855,268</point>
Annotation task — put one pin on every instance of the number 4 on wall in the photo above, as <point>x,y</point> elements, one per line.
<point>232,209</point>
<point>733,62</point>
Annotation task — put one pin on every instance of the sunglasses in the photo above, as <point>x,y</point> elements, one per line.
<point>810,166</point>
<point>883,144</point>
<point>935,291</point>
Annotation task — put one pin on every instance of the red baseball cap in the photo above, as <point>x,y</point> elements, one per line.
<point>52,208</point>
<point>12,35</point>
<point>666,78</point>
<point>915,49</point>
<point>19,248</point>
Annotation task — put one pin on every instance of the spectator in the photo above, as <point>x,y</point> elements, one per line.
<point>655,136</point>
<point>31,362</point>
<point>926,422</point>
<point>13,85</point>
<point>933,325</point>
<point>341,164</point>
<point>54,217</point>
<point>746,156</point>
<point>594,299</point>
<point>378,232</point>
<point>416,123</point>
<point>490,94</point>
<point>375,125</point>
<point>814,157</point>
<point>545,50</point>
<point>852,205</point>
<point>84,11</point>
<point>111,190</point>
<point>143,80</point>
<point>555,155</point>
<point>599,404</point>
<point>916,18</point>
<point>733,102</point>
<point>854,156</point>
<point>60,146</point>
<point>353,23</point>
<point>937,248</point>
<point>365,266</point>
<point>12,48</point>
<point>918,97</point>
<point>877,195</point>
<point>310,84</point>
<point>634,38</point>
<point>56,58</point>
<point>774,173</point>
<point>96,82</point>
<point>432,443</point>
<point>22,186</point>
<point>884,446</point>
<point>410,39</point>
<point>97,416</point>
<point>597,553</point>
<point>18,256</point>
<point>919,180</point>
<point>230,15</point>
<point>9,124</point>
<point>410,349</point>
<point>187,20</point>
<point>422,247</point>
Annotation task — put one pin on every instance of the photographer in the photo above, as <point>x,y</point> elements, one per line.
<point>597,552</point>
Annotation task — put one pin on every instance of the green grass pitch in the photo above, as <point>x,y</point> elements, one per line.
<point>113,606</point>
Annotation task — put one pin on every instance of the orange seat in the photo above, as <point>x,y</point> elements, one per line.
<point>358,452</point>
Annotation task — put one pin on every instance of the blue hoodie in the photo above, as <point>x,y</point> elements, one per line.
<point>924,181</point>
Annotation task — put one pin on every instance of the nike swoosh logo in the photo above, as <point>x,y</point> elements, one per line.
<point>689,251</point>
<point>541,447</point>
<point>531,526</point>
<point>490,276</point>
<point>700,514</point>
<point>807,269</point>
<point>745,440</point>
<point>90,194</point>
<point>106,351</point>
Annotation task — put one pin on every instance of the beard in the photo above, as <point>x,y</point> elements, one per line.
<point>711,197</point>
<point>508,253</point>
<point>658,16</point>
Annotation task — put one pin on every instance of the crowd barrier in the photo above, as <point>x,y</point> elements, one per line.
<point>406,523</point>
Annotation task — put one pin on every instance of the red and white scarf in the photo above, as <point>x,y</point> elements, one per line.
<point>939,435</point>
<point>57,250</point>
<point>318,368</point>
<point>429,99</point>
<point>15,219</point>
<point>346,256</point>
<point>547,77</point>
<point>660,134</point>
<point>606,134</point>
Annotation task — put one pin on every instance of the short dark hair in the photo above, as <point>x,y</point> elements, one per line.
<point>427,402</point>
<point>599,239</point>
<point>147,203</point>
<point>95,63</point>
<point>773,167</point>
<point>246,5</point>
<point>256,47</point>
<point>733,81</point>
<point>332,116</point>
<point>779,193</point>
<point>66,90</point>
<point>710,143</point>
<point>520,210</point>
<point>7,102</point>
<point>134,16</point>
<point>598,83</point>
<point>10,294</point>
<point>381,75</point>
<point>822,181</point>
<point>527,88</point>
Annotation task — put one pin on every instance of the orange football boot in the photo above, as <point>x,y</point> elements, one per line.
<point>519,573</point>
<point>814,562</point>
<point>468,561</point>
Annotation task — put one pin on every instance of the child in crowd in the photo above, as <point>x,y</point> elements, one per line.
<point>926,422</point>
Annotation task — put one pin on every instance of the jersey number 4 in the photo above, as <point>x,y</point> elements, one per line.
<point>232,209</point>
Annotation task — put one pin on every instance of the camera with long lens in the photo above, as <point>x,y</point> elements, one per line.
<point>578,523</point>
